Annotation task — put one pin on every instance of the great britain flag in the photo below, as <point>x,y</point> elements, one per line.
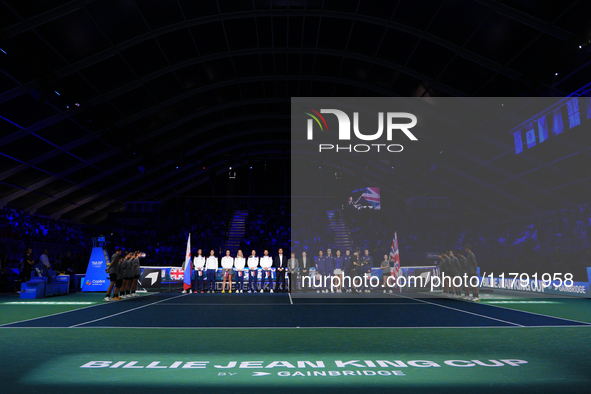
<point>372,196</point>
<point>395,256</point>
<point>187,266</point>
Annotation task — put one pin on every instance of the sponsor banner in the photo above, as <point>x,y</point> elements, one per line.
<point>96,278</point>
<point>575,289</point>
<point>432,256</point>
<point>176,274</point>
<point>151,278</point>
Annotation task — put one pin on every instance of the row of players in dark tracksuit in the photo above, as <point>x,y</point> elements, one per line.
<point>459,264</point>
<point>205,270</point>
<point>350,265</point>
<point>124,273</point>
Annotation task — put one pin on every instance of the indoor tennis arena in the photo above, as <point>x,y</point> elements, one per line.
<point>295,196</point>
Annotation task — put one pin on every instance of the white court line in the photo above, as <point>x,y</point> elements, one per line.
<point>459,310</point>
<point>302,304</point>
<point>129,310</point>
<point>290,300</point>
<point>295,328</point>
<point>60,313</point>
<point>519,310</point>
<point>313,328</point>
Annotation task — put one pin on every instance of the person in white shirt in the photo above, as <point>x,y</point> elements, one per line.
<point>45,260</point>
<point>253,265</point>
<point>239,262</point>
<point>199,265</point>
<point>211,264</point>
<point>227,271</point>
<point>266,264</point>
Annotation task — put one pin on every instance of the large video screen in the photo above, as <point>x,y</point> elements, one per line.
<point>366,198</point>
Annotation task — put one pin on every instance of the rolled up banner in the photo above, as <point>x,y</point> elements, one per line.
<point>267,274</point>
<point>200,272</point>
<point>226,273</point>
<point>240,273</point>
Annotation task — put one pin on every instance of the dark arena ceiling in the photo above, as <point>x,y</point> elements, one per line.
<point>109,101</point>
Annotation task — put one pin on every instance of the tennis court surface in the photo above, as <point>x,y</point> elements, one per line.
<point>264,342</point>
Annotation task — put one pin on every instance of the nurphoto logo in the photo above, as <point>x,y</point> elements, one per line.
<point>344,132</point>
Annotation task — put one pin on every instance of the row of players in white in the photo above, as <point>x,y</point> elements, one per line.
<point>200,263</point>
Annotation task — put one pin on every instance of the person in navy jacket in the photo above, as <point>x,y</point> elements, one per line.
<point>347,266</point>
<point>366,266</point>
<point>280,265</point>
<point>320,262</point>
<point>328,269</point>
<point>338,269</point>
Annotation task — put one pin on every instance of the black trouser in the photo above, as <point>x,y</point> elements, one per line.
<point>279,277</point>
<point>292,280</point>
<point>305,273</point>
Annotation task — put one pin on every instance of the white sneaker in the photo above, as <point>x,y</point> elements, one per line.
<point>106,299</point>
<point>124,296</point>
<point>317,291</point>
<point>271,290</point>
<point>184,291</point>
<point>384,291</point>
<point>476,299</point>
<point>249,291</point>
<point>390,291</point>
<point>261,291</point>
